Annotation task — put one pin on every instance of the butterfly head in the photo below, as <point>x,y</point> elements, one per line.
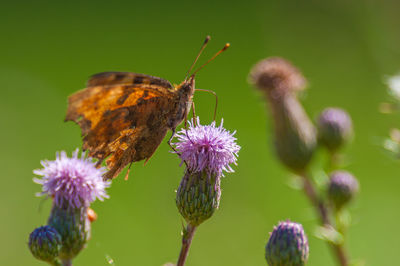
<point>186,88</point>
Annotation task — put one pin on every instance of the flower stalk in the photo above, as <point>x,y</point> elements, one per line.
<point>322,211</point>
<point>187,236</point>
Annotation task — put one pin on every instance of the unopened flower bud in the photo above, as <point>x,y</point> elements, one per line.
<point>342,187</point>
<point>334,128</point>
<point>45,243</point>
<point>73,226</point>
<point>287,245</point>
<point>295,135</point>
<point>198,196</point>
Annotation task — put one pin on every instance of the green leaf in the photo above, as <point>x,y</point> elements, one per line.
<point>329,234</point>
<point>344,218</point>
<point>320,178</point>
<point>357,262</point>
<point>295,182</point>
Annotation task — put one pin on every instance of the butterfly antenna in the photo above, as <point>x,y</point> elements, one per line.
<point>212,58</point>
<point>198,55</point>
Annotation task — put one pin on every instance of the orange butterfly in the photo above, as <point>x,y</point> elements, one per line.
<point>124,116</point>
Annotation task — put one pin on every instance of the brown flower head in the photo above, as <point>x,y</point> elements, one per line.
<point>277,74</point>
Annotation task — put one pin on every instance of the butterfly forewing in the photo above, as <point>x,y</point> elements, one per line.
<point>126,78</point>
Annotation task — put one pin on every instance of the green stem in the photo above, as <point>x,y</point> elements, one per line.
<point>322,211</point>
<point>67,262</point>
<point>186,241</point>
<point>56,262</point>
<point>333,161</point>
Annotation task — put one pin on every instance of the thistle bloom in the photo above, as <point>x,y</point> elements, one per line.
<point>287,245</point>
<point>207,148</point>
<point>74,182</point>
<point>45,243</point>
<point>207,151</point>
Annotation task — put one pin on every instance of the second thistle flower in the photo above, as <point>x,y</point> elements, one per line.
<point>208,151</point>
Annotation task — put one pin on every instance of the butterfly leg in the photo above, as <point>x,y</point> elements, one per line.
<point>129,170</point>
<point>170,141</point>
<point>193,114</point>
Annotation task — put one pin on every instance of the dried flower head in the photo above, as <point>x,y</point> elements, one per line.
<point>277,74</point>
<point>335,128</point>
<point>287,245</point>
<point>207,148</point>
<point>73,182</point>
<point>342,187</point>
<point>45,243</point>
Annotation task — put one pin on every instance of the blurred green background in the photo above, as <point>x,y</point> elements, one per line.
<point>344,48</point>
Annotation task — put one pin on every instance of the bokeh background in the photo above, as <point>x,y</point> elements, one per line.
<point>345,48</point>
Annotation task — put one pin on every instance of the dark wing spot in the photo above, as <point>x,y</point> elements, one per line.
<point>123,98</point>
<point>119,76</point>
<point>138,80</point>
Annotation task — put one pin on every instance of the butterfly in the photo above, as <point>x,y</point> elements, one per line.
<point>124,116</point>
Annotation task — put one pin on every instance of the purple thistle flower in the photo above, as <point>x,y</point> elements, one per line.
<point>74,182</point>
<point>207,147</point>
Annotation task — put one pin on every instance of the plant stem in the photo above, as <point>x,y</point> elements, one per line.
<point>186,241</point>
<point>67,262</point>
<point>56,262</point>
<point>322,211</point>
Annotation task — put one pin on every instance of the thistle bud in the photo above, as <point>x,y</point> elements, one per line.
<point>198,196</point>
<point>207,151</point>
<point>342,187</point>
<point>334,128</point>
<point>73,226</point>
<point>287,245</point>
<point>45,243</point>
<point>294,134</point>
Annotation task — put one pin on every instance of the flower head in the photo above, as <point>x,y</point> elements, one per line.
<point>207,148</point>
<point>287,245</point>
<point>277,74</point>
<point>74,182</point>
<point>45,243</point>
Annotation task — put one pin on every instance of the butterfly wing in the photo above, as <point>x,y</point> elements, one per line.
<point>123,123</point>
<point>126,78</point>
